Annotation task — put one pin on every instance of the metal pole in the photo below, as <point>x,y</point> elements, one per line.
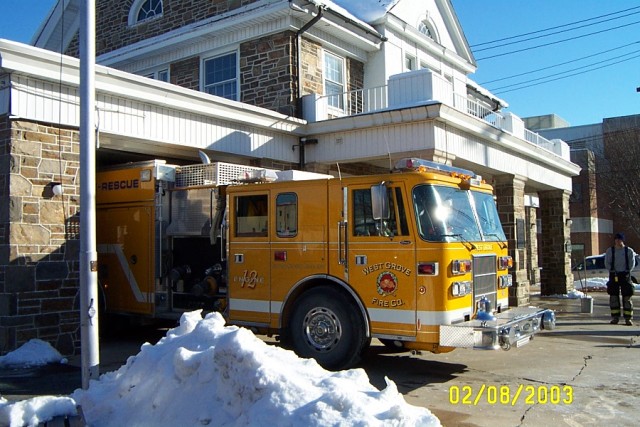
<point>88,254</point>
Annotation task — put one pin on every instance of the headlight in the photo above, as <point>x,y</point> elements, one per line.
<point>505,281</point>
<point>460,289</point>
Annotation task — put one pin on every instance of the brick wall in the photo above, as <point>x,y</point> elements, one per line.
<point>39,244</point>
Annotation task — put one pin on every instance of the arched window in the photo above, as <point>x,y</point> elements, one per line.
<point>144,10</point>
<point>427,28</point>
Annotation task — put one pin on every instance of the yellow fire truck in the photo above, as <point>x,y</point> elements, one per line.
<point>416,258</point>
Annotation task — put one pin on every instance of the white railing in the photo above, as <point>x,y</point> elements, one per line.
<point>356,101</point>
<point>476,109</point>
<point>376,99</point>
<point>536,139</point>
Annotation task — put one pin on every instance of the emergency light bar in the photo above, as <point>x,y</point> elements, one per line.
<point>421,165</point>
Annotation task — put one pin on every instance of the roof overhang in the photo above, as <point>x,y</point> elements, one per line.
<point>27,60</point>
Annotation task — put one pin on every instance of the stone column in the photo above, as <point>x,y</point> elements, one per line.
<point>532,247</point>
<point>510,200</point>
<point>555,243</point>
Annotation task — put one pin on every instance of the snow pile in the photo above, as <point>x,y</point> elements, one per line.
<point>34,352</point>
<point>205,373</point>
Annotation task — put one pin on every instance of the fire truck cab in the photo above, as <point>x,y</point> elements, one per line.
<point>416,258</point>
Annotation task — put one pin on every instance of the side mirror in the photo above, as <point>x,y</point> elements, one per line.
<point>379,202</point>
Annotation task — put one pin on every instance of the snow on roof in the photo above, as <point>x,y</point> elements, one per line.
<point>485,92</point>
<point>363,10</point>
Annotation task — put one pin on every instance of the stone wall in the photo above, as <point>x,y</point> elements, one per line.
<point>311,67</point>
<point>268,76</point>
<point>112,21</point>
<point>509,190</point>
<point>186,73</point>
<point>39,246</point>
<point>556,277</point>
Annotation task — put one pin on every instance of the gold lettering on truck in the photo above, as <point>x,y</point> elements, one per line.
<point>249,278</point>
<point>388,265</point>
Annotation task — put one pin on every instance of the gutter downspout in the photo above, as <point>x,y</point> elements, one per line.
<point>305,27</point>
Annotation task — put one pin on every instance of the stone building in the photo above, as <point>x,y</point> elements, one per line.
<point>596,148</point>
<point>252,82</point>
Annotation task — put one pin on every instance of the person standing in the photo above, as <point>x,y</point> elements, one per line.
<point>620,260</point>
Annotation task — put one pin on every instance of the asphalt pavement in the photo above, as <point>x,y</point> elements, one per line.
<point>586,372</point>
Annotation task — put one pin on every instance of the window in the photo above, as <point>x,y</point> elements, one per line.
<point>446,214</point>
<point>287,215</point>
<point>427,29</point>
<point>334,80</point>
<point>221,76</point>
<point>409,62</point>
<point>251,216</point>
<point>162,75</point>
<point>144,10</point>
<point>365,225</point>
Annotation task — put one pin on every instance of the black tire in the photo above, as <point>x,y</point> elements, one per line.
<point>327,326</point>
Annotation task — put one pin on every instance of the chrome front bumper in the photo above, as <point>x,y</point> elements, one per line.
<point>514,327</point>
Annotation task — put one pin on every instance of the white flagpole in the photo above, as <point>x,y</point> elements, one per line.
<point>88,254</point>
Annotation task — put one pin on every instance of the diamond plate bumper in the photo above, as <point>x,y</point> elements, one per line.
<point>514,327</point>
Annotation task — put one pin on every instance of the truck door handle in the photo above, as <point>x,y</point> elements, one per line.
<point>342,244</point>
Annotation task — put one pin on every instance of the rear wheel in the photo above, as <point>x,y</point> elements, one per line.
<point>326,325</point>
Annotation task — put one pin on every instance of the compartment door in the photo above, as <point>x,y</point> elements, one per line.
<point>125,242</point>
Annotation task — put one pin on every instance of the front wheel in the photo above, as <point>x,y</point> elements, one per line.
<point>326,325</point>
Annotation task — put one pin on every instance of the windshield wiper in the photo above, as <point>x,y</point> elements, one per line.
<point>498,239</point>
<point>459,236</point>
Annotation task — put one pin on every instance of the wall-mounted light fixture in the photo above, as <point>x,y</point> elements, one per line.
<point>56,188</point>
<point>569,221</point>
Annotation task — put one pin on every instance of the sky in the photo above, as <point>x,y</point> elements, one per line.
<point>586,97</point>
<point>598,45</point>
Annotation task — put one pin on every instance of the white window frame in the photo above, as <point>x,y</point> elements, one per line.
<point>135,10</point>
<point>427,28</point>
<point>410,62</point>
<point>341,101</point>
<point>158,73</point>
<point>236,79</point>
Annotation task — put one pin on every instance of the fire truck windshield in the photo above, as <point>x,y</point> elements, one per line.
<point>449,214</point>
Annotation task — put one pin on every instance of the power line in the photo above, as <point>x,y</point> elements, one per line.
<point>568,71</point>
<point>558,65</point>
<point>552,28</point>
<point>554,33</point>
<point>558,41</point>
<point>567,76</point>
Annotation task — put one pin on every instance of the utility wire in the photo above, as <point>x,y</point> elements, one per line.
<point>567,71</point>
<point>554,33</point>
<point>558,41</point>
<point>558,65</point>
<point>567,76</point>
<point>552,28</point>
